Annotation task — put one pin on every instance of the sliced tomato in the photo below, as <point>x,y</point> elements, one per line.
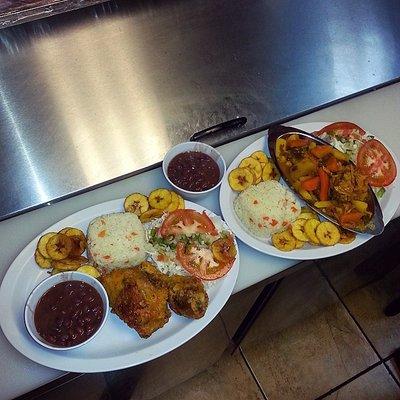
<point>346,130</point>
<point>201,263</point>
<point>186,222</point>
<point>375,161</point>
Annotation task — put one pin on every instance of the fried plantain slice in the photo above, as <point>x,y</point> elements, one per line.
<point>298,229</point>
<point>59,246</point>
<point>174,205</point>
<point>78,245</point>
<point>72,232</point>
<point>42,243</point>
<point>70,263</point>
<point>65,229</point>
<point>240,179</point>
<point>42,261</point>
<point>346,236</point>
<point>299,243</point>
<point>267,172</point>
<point>136,203</point>
<point>327,233</point>
<point>284,241</point>
<point>160,199</point>
<point>309,229</point>
<point>89,270</point>
<point>149,215</point>
<point>308,215</point>
<point>224,249</point>
<point>55,271</point>
<point>252,164</point>
<point>260,156</point>
<point>181,202</point>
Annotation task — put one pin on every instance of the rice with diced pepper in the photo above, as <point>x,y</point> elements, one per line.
<point>116,241</point>
<point>266,208</point>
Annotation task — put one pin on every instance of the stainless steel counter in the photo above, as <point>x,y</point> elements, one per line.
<point>13,12</point>
<point>100,93</point>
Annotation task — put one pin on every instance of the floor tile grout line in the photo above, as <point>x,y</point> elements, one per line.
<point>349,312</point>
<point>396,357</point>
<point>253,373</point>
<point>391,374</point>
<point>351,379</point>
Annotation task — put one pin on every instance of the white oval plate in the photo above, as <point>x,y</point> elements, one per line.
<point>116,346</point>
<point>389,204</point>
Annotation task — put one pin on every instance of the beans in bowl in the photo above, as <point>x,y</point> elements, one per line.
<point>194,171</point>
<point>68,313</point>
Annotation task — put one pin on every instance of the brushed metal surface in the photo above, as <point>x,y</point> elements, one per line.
<point>13,12</point>
<point>99,93</point>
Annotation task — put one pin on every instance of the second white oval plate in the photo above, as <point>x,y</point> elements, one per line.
<point>389,204</point>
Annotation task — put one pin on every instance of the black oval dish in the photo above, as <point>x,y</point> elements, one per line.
<point>374,227</point>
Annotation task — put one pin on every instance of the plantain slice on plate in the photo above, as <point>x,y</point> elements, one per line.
<point>299,244</point>
<point>267,172</point>
<point>65,229</point>
<point>240,179</point>
<point>89,270</point>
<point>346,236</point>
<point>70,263</point>
<point>181,202</point>
<point>298,230</point>
<point>43,243</point>
<point>284,241</point>
<point>253,164</point>
<point>160,199</point>
<point>308,215</point>
<point>78,245</point>
<point>72,232</point>
<point>59,246</point>
<point>309,229</point>
<point>327,233</point>
<point>260,156</point>
<point>174,205</point>
<point>149,215</point>
<point>42,261</point>
<point>55,271</point>
<point>136,203</point>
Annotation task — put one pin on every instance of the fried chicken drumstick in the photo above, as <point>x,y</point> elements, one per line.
<point>139,296</point>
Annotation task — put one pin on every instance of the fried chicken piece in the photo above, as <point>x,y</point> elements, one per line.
<point>186,294</point>
<point>140,303</point>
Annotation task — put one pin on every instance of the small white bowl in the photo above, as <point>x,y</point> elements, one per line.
<point>194,146</point>
<point>48,283</point>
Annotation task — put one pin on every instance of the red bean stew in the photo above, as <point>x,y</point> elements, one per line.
<point>194,171</point>
<point>68,313</point>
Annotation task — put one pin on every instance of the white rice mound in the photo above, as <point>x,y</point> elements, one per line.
<point>116,241</point>
<point>266,208</point>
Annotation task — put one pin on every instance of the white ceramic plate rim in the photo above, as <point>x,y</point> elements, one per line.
<point>391,204</point>
<point>23,275</point>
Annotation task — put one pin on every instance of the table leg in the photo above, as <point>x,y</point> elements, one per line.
<point>251,316</point>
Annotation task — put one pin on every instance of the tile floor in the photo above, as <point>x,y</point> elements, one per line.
<point>323,335</point>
